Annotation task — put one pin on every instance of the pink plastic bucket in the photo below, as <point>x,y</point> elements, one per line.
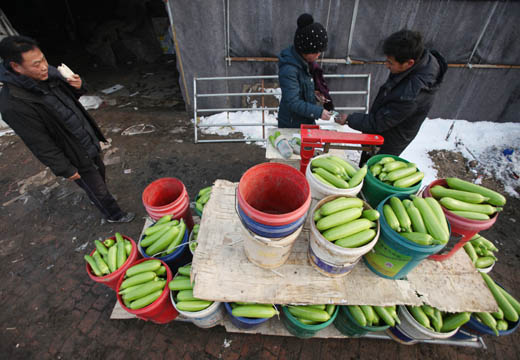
<point>168,196</point>
<point>274,194</point>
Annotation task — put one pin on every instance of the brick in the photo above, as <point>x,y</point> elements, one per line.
<point>331,348</point>
<point>85,303</point>
<point>291,348</point>
<point>102,301</point>
<point>273,344</point>
<point>88,321</point>
<point>251,345</point>
<point>311,349</point>
<point>214,346</point>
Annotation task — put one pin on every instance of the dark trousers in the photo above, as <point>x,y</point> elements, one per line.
<point>93,182</point>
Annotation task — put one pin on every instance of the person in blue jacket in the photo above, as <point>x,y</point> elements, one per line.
<point>300,103</point>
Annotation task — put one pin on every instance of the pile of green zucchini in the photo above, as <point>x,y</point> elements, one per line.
<point>109,256</point>
<point>143,284</point>
<point>202,198</point>
<point>253,310</point>
<point>367,315</point>
<point>337,173</point>
<point>396,173</point>
<point>163,237</point>
<point>183,288</point>
<point>420,220</point>
<point>480,251</point>
<point>508,308</point>
<point>312,314</point>
<point>468,200</point>
<point>344,222</point>
<point>438,321</point>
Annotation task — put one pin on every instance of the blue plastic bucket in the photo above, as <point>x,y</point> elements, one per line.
<point>243,322</point>
<point>267,230</point>
<point>181,256</point>
<point>393,257</point>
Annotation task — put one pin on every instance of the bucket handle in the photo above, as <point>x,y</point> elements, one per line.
<point>261,239</point>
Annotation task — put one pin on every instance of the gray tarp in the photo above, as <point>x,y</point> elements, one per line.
<point>264,28</point>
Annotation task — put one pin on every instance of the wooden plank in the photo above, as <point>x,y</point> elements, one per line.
<point>222,272</point>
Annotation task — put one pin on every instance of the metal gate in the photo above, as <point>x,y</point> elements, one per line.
<point>263,93</point>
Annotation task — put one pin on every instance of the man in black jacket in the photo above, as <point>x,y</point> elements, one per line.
<point>42,107</point>
<point>404,100</point>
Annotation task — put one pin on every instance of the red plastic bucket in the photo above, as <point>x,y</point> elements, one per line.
<point>111,280</point>
<point>467,228</point>
<point>168,196</point>
<point>274,194</point>
<point>161,311</point>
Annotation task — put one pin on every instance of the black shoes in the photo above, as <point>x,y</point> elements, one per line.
<point>125,218</point>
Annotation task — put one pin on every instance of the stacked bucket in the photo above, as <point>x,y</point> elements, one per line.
<point>272,204</point>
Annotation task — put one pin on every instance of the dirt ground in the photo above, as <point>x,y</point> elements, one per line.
<point>52,309</point>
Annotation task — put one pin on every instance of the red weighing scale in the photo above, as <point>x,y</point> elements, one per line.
<point>312,137</point>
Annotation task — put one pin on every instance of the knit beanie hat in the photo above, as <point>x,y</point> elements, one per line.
<point>310,37</point>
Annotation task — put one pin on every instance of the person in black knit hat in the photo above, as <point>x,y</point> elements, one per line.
<point>305,95</point>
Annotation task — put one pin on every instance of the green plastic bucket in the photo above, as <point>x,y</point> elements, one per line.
<point>301,330</point>
<point>376,191</point>
<point>348,326</point>
<point>393,257</point>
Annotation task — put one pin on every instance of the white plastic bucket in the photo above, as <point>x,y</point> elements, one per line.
<point>319,190</point>
<point>409,326</point>
<point>330,259</point>
<point>207,318</point>
<point>268,253</point>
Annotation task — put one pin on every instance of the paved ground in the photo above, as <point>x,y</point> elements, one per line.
<point>51,309</point>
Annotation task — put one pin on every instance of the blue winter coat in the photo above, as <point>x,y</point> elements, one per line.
<point>298,103</point>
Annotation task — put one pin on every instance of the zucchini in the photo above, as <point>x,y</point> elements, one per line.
<point>150,239</point>
<point>163,242</point>
<point>357,314</point>
<point>102,266</point>
<point>488,320</point>
<point>409,180</point>
<point>185,295</point>
<point>177,239</point>
<point>331,178</point>
<point>376,169</point>
<point>257,311</point>
<point>391,218</point>
<point>347,229</point>
<point>178,284</point>
<point>327,165</point>
<point>144,290</point>
<point>430,220</point>
<point>305,312</point>
<point>419,315</point>
<point>101,248</point>
<point>145,301</point>
<point>470,250</point>
<point>340,203</point>
<point>93,265</point>
<point>405,223</point>
<point>164,219</point>
<point>494,197</point>
<point>509,311</point>
<point>484,262</point>
<point>418,238</point>
<point>471,215</point>
<point>401,173</point>
<point>369,313</point>
<point>383,314</point>
<point>470,197</point>
<point>415,216</point>
<point>148,265</point>
<point>138,279</point>
<point>371,214</point>
<point>394,165</point>
<point>112,258</point>
<point>338,218</point>
<point>356,240</point>
<point>193,305</point>
<point>438,212</point>
<point>453,204</point>
<point>454,321</point>
<point>358,177</point>
<point>121,251</point>
<point>349,168</point>
<point>184,270</point>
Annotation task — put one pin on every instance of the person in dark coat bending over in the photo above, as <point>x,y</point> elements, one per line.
<point>42,108</point>
<point>302,100</point>
<point>404,100</point>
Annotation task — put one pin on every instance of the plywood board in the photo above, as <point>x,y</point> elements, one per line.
<point>222,272</point>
